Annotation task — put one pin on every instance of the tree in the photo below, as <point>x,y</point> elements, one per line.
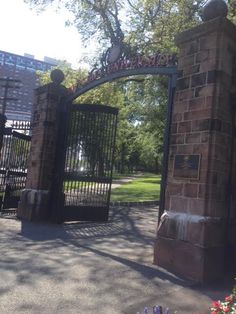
<point>146,26</point>
<point>142,105</point>
<point>95,19</point>
<point>149,25</point>
<point>71,76</point>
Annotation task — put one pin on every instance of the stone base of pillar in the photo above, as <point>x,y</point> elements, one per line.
<point>191,246</point>
<point>189,261</point>
<point>231,248</point>
<point>34,205</point>
<point>57,208</point>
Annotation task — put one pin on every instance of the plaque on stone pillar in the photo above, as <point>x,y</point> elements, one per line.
<point>187,166</point>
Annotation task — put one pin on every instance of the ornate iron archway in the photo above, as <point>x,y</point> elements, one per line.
<point>85,190</point>
<point>159,64</point>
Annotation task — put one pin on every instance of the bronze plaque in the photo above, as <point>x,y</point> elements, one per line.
<point>187,166</point>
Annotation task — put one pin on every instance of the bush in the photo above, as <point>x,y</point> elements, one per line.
<point>226,306</point>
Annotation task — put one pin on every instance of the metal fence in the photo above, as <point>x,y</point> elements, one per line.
<point>89,161</point>
<point>13,165</point>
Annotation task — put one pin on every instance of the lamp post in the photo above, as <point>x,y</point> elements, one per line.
<point>8,83</point>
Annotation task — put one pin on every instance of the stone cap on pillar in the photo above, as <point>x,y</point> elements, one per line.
<point>214,9</point>
<point>55,87</point>
<point>57,76</point>
<point>219,24</point>
<point>214,16</point>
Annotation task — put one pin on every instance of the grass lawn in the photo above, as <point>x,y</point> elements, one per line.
<point>143,188</point>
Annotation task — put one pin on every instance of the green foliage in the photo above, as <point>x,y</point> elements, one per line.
<point>142,106</point>
<point>150,25</point>
<point>226,306</point>
<point>232,10</point>
<point>71,76</point>
<point>145,26</point>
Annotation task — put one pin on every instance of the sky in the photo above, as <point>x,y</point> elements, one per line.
<point>22,30</point>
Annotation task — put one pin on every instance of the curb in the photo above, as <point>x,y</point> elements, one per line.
<point>143,203</point>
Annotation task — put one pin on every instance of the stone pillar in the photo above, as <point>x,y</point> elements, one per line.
<point>35,203</point>
<point>231,234</point>
<point>192,235</point>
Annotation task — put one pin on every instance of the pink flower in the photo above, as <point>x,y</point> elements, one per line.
<point>216,304</point>
<point>229,298</point>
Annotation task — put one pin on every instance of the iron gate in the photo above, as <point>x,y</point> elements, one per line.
<point>13,167</point>
<point>88,162</point>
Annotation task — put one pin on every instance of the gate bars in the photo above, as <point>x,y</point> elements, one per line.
<point>89,161</point>
<point>13,167</point>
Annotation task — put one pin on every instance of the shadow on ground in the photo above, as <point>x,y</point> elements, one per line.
<point>90,268</point>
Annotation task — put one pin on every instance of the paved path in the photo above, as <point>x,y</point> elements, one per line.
<point>103,268</point>
<point>118,182</point>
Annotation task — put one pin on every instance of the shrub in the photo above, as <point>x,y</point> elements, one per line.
<point>226,306</point>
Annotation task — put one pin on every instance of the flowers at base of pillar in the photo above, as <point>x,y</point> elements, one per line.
<point>226,306</point>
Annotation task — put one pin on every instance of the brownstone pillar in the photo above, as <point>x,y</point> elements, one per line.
<point>35,203</point>
<point>192,236</point>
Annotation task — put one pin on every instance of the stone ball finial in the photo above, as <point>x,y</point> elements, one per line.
<point>57,76</point>
<point>213,9</point>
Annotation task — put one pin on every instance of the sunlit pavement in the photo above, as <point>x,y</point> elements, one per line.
<point>90,268</point>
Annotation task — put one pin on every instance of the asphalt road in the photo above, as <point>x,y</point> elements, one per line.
<point>103,268</point>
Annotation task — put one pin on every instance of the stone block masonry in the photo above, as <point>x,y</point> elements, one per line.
<point>49,105</point>
<point>195,225</point>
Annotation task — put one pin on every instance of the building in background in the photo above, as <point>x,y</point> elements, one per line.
<point>21,68</point>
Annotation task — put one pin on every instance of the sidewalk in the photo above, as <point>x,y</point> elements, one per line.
<point>118,182</point>
<point>103,268</point>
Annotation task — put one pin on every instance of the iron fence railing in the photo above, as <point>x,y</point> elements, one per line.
<point>89,160</point>
<point>13,166</point>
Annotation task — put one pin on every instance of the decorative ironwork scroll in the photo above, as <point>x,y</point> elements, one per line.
<point>135,62</point>
<point>162,64</point>
<point>120,61</point>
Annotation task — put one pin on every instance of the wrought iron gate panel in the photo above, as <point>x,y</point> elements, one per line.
<point>13,166</point>
<point>89,162</point>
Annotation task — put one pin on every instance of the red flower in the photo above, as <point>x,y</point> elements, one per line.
<point>214,312</point>
<point>226,309</point>
<point>228,298</point>
<point>216,304</point>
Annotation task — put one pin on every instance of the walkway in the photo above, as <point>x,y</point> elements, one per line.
<point>103,268</point>
<point>118,182</point>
